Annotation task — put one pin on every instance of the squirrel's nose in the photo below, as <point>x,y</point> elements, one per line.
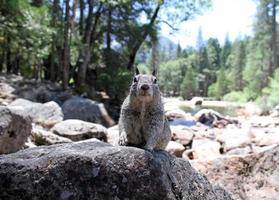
<point>145,87</point>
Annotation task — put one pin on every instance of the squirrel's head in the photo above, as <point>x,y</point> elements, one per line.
<point>144,86</point>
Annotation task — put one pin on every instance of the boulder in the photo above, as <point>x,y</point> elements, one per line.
<point>212,118</point>
<point>182,135</point>
<point>197,101</point>
<point>96,170</point>
<point>86,110</point>
<point>265,137</point>
<point>44,137</point>
<point>232,138</point>
<point>175,148</point>
<point>249,177</point>
<point>6,91</point>
<point>15,127</point>
<point>113,135</point>
<point>205,149</point>
<point>46,114</point>
<point>240,151</point>
<point>77,130</point>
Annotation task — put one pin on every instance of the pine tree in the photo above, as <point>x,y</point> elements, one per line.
<point>201,65</point>
<point>226,51</point>
<point>213,52</point>
<point>236,63</point>
<point>262,55</point>
<point>221,83</point>
<point>188,86</point>
<point>178,51</point>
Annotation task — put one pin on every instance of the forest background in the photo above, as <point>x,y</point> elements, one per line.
<point>92,46</point>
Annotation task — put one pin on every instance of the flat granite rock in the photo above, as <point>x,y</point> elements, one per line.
<point>96,170</point>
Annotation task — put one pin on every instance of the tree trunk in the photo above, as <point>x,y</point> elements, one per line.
<point>55,18</point>
<point>274,39</point>
<point>8,55</point>
<point>81,16</point>
<point>146,32</point>
<point>66,48</point>
<point>2,59</point>
<point>85,55</point>
<point>109,29</point>
<point>154,58</point>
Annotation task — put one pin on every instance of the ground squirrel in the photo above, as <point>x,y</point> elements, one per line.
<point>142,121</point>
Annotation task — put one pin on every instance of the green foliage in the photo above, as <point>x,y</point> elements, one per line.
<point>271,93</point>
<point>255,73</point>
<point>171,75</point>
<point>188,87</point>
<point>212,90</point>
<point>225,52</point>
<point>236,64</point>
<point>235,96</point>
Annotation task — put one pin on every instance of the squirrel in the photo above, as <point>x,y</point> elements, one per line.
<point>142,121</point>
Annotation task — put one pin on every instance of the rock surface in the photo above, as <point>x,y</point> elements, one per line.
<point>205,149</point>
<point>95,170</point>
<point>15,127</point>
<point>46,114</point>
<point>248,177</point>
<point>234,138</point>
<point>86,110</point>
<point>113,135</point>
<point>182,135</point>
<point>210,117</point>
<point>175,148</point>
<point>77,130</point>
<point>44,137</point>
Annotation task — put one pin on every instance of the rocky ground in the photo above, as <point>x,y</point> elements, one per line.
<point>239,154</point>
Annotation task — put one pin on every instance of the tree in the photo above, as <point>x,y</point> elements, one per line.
<point>273,90</point>
<point>188,86</point>
<point>221,84</point>
<point>178,51</point>
<point>66,46</point>
<point>213,53</point>
<point>226,51</point>
<point>170,76</point>
<point>236,63</point>
<point>262,55</point>
<point>201,64</point>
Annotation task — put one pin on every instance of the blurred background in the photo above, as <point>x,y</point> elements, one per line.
<point>218,49</point>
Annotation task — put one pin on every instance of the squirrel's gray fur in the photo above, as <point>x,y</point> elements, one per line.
<point>142,120</point>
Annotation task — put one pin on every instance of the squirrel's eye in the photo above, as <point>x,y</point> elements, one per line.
<point>135,80</point>
<point>155,80</point>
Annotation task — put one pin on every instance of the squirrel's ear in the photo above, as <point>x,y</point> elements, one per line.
<point>137,71</point>
<point>154,72</point>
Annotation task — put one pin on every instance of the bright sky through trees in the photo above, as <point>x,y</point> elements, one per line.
<point>232,17</point>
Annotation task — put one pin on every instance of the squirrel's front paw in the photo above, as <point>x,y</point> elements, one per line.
<point>123,141</point>
<point>147,148</point>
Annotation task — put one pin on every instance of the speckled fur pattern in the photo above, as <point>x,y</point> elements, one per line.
<point>142,120</point>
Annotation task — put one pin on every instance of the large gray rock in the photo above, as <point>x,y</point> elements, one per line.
<point>95,170</point>
<point>15,127</point>
<point>46,114</point>
<point>86,110</point>
<point>249,177</point>
<point>77,130</point>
